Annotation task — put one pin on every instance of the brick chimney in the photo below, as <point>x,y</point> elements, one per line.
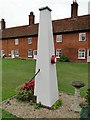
<point>74,9</point>
<point>2,24</point>
<point>31,18</point>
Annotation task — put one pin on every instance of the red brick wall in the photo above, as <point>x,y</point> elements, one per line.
<point>23,46</point>
<point>4,46</point>
<point>70,45</point>
<point>0,47</point>
<point>88,40</point>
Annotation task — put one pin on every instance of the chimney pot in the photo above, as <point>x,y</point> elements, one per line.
<point>31,13</point>
<point>31,18</point>
<point>74,1</point>
<point>74,9</point>
<point>2,24</point>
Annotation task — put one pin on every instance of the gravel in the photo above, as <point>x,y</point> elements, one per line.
<point>25,110</point>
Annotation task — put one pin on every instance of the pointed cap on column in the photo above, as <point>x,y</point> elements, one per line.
<point>43,8</point>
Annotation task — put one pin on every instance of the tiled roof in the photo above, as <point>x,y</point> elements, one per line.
<point>80,23</point>
<point>20,31</point>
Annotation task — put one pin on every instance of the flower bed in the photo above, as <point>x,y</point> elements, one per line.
<point>26,92</point>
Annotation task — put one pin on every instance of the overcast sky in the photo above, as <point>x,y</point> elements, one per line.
<point>15,12</point>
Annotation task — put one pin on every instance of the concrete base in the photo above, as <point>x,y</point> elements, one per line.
<point>75,107</point>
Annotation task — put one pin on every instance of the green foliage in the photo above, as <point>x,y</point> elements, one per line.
<point>85,112</point>
<point>88,96</point>
<point>9,116</point>
<point>38,105</point>
<point>64,58</point>
<point>57,104</point>
<point>24,95</point>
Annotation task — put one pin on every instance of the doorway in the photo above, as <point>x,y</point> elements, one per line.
<point>88,55</point>
<point>35,54</point>
<point>12,54</point>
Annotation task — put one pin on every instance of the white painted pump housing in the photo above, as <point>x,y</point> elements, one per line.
<point>46,88</point>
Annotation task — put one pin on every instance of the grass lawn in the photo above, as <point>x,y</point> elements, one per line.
<point>8,116</point>
<point>68,72</point>
<point>16,72</point>
<point>0,80</point>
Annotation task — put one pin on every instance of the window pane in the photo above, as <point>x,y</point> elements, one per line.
<point>16,53</point>
<point>81,54</point>
<point>58,53</point>
<point>82,36</point>
<point>59,38</point>
<point>29,53</point>
<point>16,41</point>
<point>30,40</point>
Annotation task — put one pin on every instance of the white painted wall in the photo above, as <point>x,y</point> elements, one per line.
<point>46,88</point>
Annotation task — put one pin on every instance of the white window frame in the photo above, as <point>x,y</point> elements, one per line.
<point>81,35</point>
<point>35,51</point>
<point>30,40</point>
<point>31,54</point>
<point>16,41</point>
<point>80,53</point>
<point>58,54</point>
<point>17,51</point>
<point>58,38</point>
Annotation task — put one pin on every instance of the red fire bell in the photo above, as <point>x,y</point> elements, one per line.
<point>53,59</point>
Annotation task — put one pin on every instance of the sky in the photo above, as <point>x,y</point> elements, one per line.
<point>15,12</point>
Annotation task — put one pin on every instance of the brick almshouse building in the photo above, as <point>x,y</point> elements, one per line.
<point>71,37</point>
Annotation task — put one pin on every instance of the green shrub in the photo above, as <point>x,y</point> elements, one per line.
<point>85,112</point>
<point>57,104</point>
<point>64,58</point>
<point>24,95</point>
<point>38,105</point>
<point>88,96</point>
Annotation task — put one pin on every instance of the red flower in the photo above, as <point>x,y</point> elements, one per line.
<point>24,88</point>
<point>29,85</point>
<point>26,83</point>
